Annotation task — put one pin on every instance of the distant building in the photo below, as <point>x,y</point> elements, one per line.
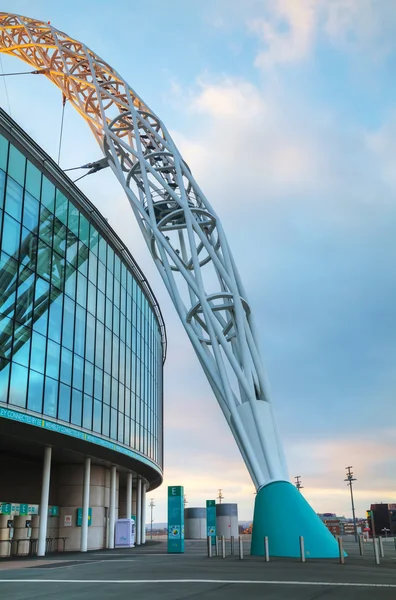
<point>341,525</point>
<point>382,519</point>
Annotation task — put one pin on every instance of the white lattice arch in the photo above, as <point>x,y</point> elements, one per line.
<point>181,229</point>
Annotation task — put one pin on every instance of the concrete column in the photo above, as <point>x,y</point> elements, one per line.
<point>113,486</point>
<point>45,487</point>
<point>139,512</point>
<point>144,513</point>
<point>85,504</point>
<point>128,508</point>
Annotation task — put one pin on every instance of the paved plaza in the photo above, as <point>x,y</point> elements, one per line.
<point>149,572</point>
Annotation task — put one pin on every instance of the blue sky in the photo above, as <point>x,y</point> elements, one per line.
<point>286,112</point>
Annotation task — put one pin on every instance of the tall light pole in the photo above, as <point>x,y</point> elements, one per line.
<point>220,496</point>
<point>299,485</point>
<point>151,505</point>
<point>349,479</point>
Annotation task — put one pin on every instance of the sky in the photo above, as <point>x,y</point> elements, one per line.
<point>285,111</point>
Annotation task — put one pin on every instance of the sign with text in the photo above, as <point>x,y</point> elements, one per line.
<point>211,519</point>
<point>175,519</point>
<point>79,517</point>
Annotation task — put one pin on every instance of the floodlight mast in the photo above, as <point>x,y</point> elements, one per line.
<point>181,230</point>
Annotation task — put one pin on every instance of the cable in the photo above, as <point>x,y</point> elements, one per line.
<point>5,86</point>
<point>61,129</point>
<point>37,72</point>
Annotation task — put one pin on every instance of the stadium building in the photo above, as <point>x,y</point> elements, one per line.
<point>82,347</point>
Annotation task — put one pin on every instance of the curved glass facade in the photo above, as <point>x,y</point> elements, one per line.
<point>80,341</point>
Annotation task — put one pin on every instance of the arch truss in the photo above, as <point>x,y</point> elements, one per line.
<point>181,229</point>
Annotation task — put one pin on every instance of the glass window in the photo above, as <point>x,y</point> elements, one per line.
<point>93,268</point>
<point>113,423</point>
<point>35,396</point>
<point>55,318</point>
<point>68,323</point>
<point>78,372</point>
<point>81,290</point>
<point>53,356</point>
<point>37,359</point>
<point>84,230</point>
<point>76,412</point>
<point>98,383</point>
<point>50,397</point>
<point>79,334</point>
<point>87,412</point>
<point>64,403</point>
<point>108,350</point>
<point>90,338</point>
<point>3,152</point>
<point>71,281</point>
<point>73,219</point>
<point>2,187</point>
<point>99,344</point>
<point>18,385</point>
<point>66,366</point>
<point>100,307</point>
<point>97,416</point>
<point>101,277</point>
<point>16,165</point>
<point>30,212</point>
<point>93,239</point>
<point>33,180</point>
<point>88,378</point>
<point>48,194</point>
<point>106,420</point>
<point>127,432</point>
<point>102,250</point>
<point>107,389</point>
<point>114,393</point>
<point>11,235</point>
<point>21,349</point>
<point>13,201</point>
<point>120,436</point>
<point>91,298</point>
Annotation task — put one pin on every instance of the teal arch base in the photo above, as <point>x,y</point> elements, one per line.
<point>282,513</point>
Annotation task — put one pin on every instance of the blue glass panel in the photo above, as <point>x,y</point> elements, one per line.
<point>68,323</point>
<point>48,195</point>
<point>93,268</point>
<point>73,222</point>
<point>109,314</point>
<point>79,334</point>
<point>120,435</point>
<point>90,338</point>
<point>64,403</point>
<point>78,372</point>
<point>37,359</point>
<point>114,393</point>
<point>127,432</point>
<point>99,344</point>
<point>98,383</point>
<point>30,212</point>
<point>81,290</point>
<point>115,356</point>
<point>101,277</point>
<point>117,268</point>
<point>50,397</point>
<point>66,366</point>
<point>106,420</point>
<point>18,385</point>
<point>21,350</point>
<point>106,388</point>
<point>97,416</point>
<point>11,235</point>
<point>91,298</point>
<point>93,239</point>
<point>84,230</point>
<point>16,165</point>
<point>116,321</point>
<point>87,412</point>
<point>33,180</point>
<point>3,152</point>
<point>102,250</point>
<point>108,350</point>
<point>88,378</point>
<point>76,412</point>
<point>71,283</point>
<point>35,397</point>
<point>53,357</point>
<point>109,285</point>
<point>55,319</point>
<point>121,397</point>
<point>2,187</point>
<point>100,307</point>
<point>113,423</point>
<point>61,207</point>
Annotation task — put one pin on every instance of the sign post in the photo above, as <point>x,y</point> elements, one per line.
<point>175,519</point>
<point>211,520</point>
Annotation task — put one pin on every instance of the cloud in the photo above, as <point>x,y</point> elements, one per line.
<point>290,31</point>
<point>287,33</point>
